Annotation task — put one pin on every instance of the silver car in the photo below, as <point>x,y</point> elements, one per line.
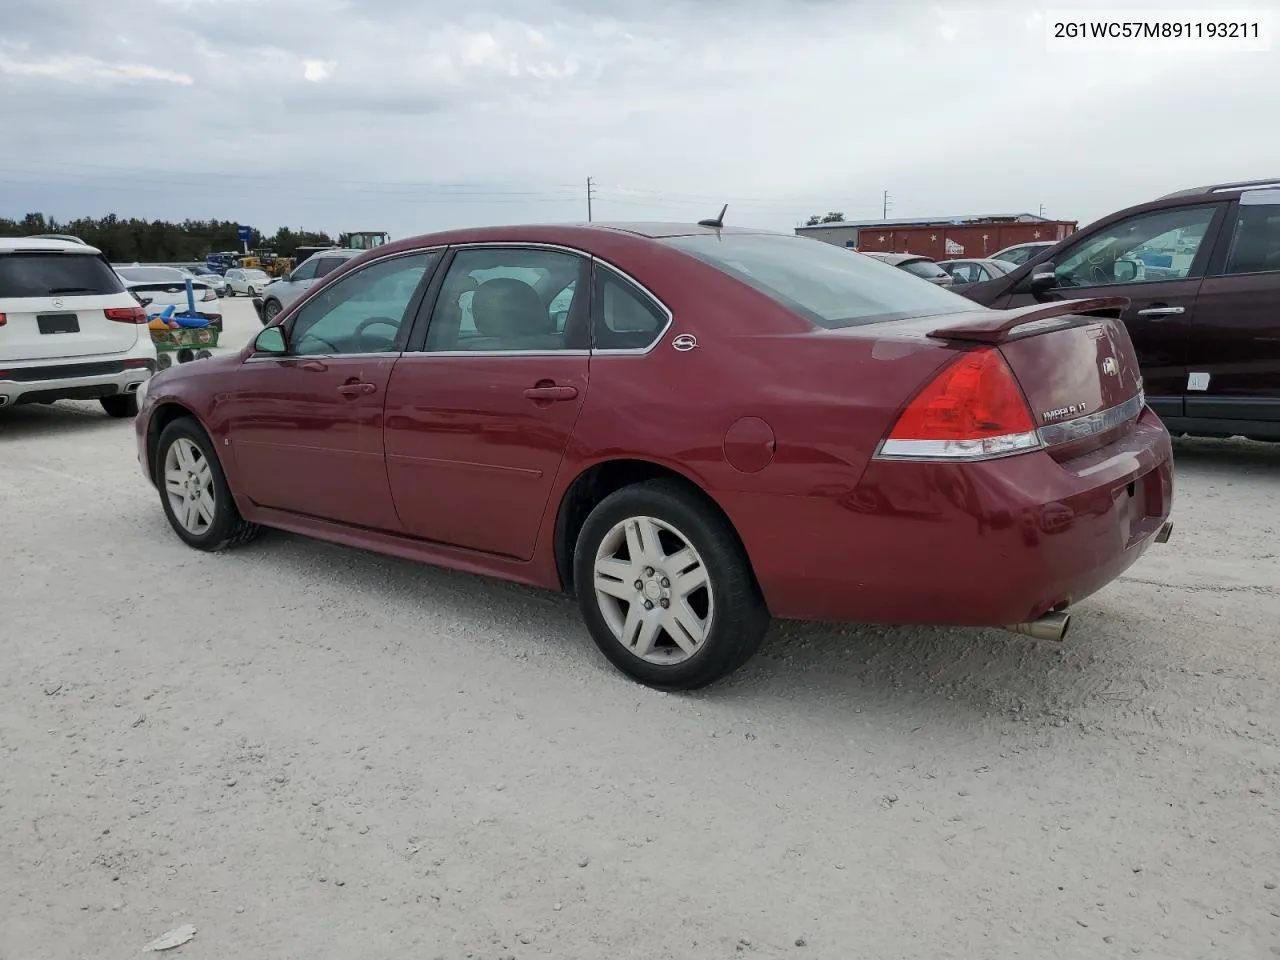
<point>290,287</point>
<point>205,275</point>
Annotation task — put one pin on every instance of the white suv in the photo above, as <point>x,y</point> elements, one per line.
<point>68,328</point>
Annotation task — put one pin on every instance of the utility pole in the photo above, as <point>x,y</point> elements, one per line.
<point>884,212</point>
<point>590,193</point>
<point>1042,211</point>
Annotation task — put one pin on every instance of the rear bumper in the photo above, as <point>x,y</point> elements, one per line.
<point>84,378</point>
<point>976,544</point>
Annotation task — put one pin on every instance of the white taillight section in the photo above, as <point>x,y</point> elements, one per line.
<point>208,294</point>
<point>972,410</point>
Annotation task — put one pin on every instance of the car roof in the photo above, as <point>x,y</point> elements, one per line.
<point>43,245</point>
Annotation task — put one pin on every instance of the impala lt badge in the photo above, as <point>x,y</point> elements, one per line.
<point>1110,367</point>
<point>1049,416</point>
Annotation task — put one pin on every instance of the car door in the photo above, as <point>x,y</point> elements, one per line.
<point>482,405</point>
<point>1157,260</point>
<point>306,426</point>
<point>1233,358</point>
<point>297,283</point>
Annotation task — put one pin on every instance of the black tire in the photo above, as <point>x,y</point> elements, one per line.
<point>230,292</point>
<point>270,310</point>
<point>228,528</point>
<point>121,405</point>
<point>740,619</point>
<point>251,292</point>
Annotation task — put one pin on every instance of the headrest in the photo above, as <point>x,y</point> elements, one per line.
<point>504,308</point>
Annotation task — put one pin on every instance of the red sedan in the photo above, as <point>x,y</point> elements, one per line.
<point>690,428</point>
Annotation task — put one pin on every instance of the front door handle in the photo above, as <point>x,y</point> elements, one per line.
<point>353,390</point>
<point>1158,311</point>
<point>550,392</point>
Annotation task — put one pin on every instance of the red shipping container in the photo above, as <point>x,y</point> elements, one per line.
<point>960,241</point>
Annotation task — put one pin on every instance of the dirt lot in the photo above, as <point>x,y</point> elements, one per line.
<point>310,752</point>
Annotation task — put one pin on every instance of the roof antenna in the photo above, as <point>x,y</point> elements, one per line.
<point>718,222</point>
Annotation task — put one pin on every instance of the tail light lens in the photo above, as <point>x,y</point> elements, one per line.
<point>126,314</point>
<point>208,294</point>
<point>972,410</point>
<point>3,319</point>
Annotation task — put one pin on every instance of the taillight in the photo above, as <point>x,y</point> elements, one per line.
<point>126,314</point>
<point>3,319</point>
<point>972,410</point>
<point>208,294</point>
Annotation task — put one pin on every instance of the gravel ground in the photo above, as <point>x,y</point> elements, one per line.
<point>312,752</point>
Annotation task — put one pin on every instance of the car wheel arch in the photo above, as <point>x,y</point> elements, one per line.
<point>164,414</point>
<point>598,481</point>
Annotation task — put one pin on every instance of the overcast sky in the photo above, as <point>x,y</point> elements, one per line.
<point>414,115</point>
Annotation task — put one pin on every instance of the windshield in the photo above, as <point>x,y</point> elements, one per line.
<point>152,274</point>
<point>256,275</point>
<point>828,285</point>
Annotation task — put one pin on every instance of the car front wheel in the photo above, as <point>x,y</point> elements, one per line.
<point>270,310</point>
<point>194,490</point>
<point>665,587</point>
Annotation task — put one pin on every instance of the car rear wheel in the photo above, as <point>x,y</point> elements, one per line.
<point>252,292</point>
<point>194,490</point>
<point>665,587</point>
<point>122,405</point>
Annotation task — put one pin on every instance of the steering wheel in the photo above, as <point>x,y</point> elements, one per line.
<point>373,322</point>
<point>309,335</point>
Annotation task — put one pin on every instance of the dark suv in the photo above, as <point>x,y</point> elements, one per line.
<point>1201,271</point>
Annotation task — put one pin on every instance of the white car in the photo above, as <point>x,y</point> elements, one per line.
<point>162,286</point>
<point>205,275</point>
<point>1020,253</point>
<point>250,282</point>
<point>69,330</point>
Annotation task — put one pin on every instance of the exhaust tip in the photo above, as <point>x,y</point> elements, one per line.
<point>4,400</point>
<point>133,387</point>
<point>1166,531</point>
<point>1052,626</point>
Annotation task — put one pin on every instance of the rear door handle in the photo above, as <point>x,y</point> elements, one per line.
<point>354,390</point>
<point>1161,311</point>
<point>551,392</point>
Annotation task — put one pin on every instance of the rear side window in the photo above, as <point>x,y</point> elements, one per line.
<point>624,318</point>
<point>827,285</point>
<point>56,275</point>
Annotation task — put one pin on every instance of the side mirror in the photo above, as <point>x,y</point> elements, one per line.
<point>1125,271</point>
<point>271,340</point>
<point>1043,277</point>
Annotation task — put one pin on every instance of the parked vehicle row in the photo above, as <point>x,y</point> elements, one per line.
<point>771,427</point>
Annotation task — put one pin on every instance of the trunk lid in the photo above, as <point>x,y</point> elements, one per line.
<point>1074,361</point>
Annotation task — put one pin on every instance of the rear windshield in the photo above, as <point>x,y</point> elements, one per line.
<point>924,268</point>
<point>828,285</point>
<point>56,275</point>
<point>153,274</point>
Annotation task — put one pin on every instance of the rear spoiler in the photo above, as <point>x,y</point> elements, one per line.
<point>998,325</point>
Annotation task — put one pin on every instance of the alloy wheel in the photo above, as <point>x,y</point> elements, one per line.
<point>188,483</point>
<point>653,590</point>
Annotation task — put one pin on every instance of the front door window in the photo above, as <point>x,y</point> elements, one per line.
<point>364,312</point>
<point>1148,248</point>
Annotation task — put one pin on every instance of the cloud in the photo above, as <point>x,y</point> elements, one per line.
<point>318,70</point>
<point>80,68</point>
<point>417,114</point>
